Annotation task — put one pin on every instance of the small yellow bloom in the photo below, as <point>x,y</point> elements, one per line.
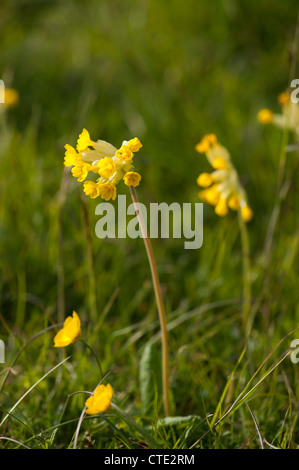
<point>91,189</point>
<point>80,171</point>
<point>219,163</point>
<point>70,332</point>
<point>283,98</point>
<point>11,97</point>
<point>100,401</point>
<point>132,178</point>
<point>288,118</point>
<point>234,202</point>
<point>106,167</point>
<point>124,154</point>
<point>246,214</point>
<point>221,207</point>
<point>204,180</point>
<point>84,141</point>
<point>134,144</point>
<point>210,195</point>
<point>265,116</point>
<point>107,191</point>
<point>208,141</point>
<point>72,157</point>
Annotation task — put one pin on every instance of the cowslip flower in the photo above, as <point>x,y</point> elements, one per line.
<point>70,332</point>
<point>100,401</point>
<point>110,164</point>
<point>11,97</point>
<point>222,187</point>
<point>289,117</point>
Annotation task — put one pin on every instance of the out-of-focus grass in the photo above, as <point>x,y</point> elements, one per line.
<point>167,73</point>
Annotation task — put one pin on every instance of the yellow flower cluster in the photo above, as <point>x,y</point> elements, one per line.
<point>222,187</point>
<point>111,164</point>
<point>289,118</point>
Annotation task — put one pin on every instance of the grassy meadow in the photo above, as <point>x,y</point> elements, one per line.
<point>168,73</point>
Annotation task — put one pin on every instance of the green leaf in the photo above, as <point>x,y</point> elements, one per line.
<point>150,378</point>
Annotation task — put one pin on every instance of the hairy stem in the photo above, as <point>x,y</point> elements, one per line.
<point>159,300</point>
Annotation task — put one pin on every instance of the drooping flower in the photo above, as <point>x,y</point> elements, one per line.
<point>100,401</point>
<point>222,187</point>
<point>102,158</point>
<point>289,117</point>
<point>132,178</point>
<point>70,333</point>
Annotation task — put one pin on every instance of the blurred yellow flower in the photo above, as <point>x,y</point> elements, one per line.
<point>70,332</point>
<point>111,164</point>
<point>11,97</point>
<point>100,401</point>
<point>265,116</point>
<point>289,117</point>
<point>222,187</point>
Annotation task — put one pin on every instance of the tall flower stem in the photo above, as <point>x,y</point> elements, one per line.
<point>159,300</point>
<point>246,273</point>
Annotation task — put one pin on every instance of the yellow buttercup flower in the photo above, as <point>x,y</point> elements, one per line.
<point>70,332</point>
<point>100,401</point>
<point>223,189</point>
<point>289,117</point>
<point>102,158</point>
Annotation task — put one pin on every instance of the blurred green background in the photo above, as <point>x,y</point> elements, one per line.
<point>167,72</point>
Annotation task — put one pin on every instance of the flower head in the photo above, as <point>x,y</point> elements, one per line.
<point>289,117</point>
<point>102,158</point>
<point>222,187</point>
<point>100,401</point>
<point>70,332</point>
